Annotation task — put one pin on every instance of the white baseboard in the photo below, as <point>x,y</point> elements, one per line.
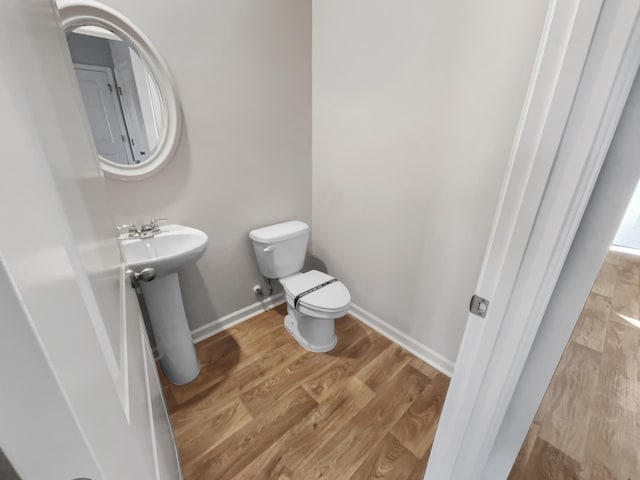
<point>424,353</point>
<point>234,318</point>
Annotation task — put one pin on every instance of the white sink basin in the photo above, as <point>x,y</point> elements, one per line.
<point>167,251</point>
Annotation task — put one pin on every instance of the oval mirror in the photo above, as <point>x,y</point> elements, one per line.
<point>126,88</point>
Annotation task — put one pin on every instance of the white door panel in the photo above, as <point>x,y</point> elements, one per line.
<point>77,401</point>
<point>29,384</point>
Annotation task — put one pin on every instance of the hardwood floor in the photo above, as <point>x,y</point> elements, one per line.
<point>265,408</point>
<point>588,425</point>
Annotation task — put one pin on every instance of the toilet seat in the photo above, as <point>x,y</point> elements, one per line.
<point>332,298</point>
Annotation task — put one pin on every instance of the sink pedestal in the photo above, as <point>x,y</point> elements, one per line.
<point>163,299</point>
<point>166,251</point>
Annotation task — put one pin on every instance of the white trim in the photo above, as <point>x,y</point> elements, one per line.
<point>421,351</point>
<point>122,379</point>
<point>148,397</point>
<point>97,68</point>
<point>626,250</point>
<point>88,12</point>
<point>98,32</point>
<point>223,323</point>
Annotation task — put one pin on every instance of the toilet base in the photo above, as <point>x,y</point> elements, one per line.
<point>313,334</point>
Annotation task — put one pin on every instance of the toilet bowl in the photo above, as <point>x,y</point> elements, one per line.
<point>312,320</point>
<point>314,299</point>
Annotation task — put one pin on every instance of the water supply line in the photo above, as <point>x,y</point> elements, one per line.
<point>258,290</point>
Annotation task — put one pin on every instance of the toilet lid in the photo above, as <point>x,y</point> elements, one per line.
<point>334,296</point>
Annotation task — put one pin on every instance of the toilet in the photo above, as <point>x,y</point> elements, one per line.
<point>314,299</point>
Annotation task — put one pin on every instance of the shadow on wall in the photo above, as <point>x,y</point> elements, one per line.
<point>197,301</point>
<point>314,263</point>
<point>6,470</point>
<point>194,294</point>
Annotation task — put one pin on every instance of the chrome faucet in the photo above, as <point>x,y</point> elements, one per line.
<point>132,230</point>
<point>150,229</point>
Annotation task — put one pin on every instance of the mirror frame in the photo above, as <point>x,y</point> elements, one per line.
<point>81,13</point>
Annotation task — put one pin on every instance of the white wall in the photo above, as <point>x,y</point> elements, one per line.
<point>243,74</point>
<point>415,106</point>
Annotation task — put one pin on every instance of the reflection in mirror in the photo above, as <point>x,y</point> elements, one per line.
<point>120,95</point>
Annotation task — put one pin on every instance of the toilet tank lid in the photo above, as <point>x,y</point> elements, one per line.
<point>278,232</point>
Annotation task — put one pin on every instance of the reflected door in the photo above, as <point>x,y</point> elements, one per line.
<point>98,91</point>
<point>129,100</point>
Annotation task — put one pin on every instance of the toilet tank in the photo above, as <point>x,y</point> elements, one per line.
<point>280,249</point>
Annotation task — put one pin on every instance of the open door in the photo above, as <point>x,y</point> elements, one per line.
<point>587,60</point>
<point>81,396</point>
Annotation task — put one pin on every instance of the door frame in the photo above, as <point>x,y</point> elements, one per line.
<point>135,130</point>
<point>129,94</point>
<point>587,60</point>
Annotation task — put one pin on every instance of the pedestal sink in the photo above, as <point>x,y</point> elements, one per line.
<point>166,252</point>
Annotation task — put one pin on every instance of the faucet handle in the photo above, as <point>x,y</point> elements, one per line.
<point>132,230</point>
<point>154,222</point>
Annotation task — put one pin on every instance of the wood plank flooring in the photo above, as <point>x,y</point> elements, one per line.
<point>588,425</point>
<point>265,408</point>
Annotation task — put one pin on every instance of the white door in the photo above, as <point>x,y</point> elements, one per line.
<point>149,101</point>
<point>588,57</point>
<point>80,394</point>
<point>129,99</point>
<point>629,232</point>
<point>98,90</point>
